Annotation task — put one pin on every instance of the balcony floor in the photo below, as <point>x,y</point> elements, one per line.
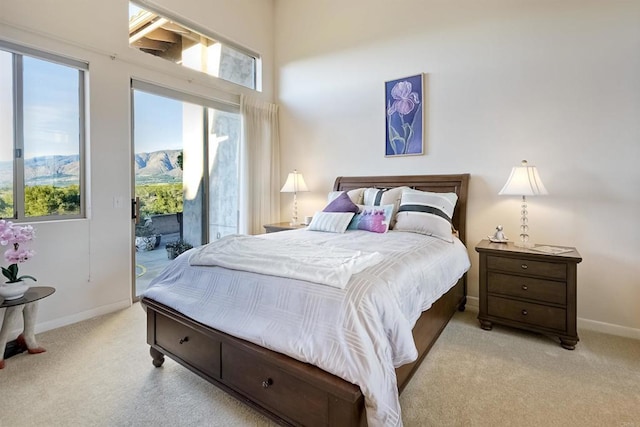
<point>150,263</point>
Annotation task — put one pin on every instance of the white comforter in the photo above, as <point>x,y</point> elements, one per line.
<point>360,333</point>
<point>331,266</point>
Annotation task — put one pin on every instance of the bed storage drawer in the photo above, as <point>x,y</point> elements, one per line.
<point>274,388</point>
<point>195,348</point>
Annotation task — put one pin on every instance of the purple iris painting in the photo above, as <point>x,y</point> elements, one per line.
<point>404,106</point>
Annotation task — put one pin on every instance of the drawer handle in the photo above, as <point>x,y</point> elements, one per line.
<point>524,266</point>
<point>524,312</point>
<point>267,383</point>
<point>183,340</point>
<point>525,288</point>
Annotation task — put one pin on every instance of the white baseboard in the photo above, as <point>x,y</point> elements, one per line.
<point>84,315</point>
<point>608,328</point>
<point>592,325</point>
<point>473,304</point>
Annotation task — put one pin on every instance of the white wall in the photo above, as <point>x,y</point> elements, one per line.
<point>89,261</point>
<point>553,82</point>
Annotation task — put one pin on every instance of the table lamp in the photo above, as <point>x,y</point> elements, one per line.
<point>524,181</point>
<point>295,182</point>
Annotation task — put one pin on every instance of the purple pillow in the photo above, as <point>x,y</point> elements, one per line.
<point>342,203</point>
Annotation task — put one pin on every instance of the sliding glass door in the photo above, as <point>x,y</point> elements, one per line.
<point>186,175</point>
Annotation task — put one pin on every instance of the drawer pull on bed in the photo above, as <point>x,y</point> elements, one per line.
<point>185,339</point>
<point>525,288</point>
<point>524,312</point>
<point>267,383</point>
<point>524,266</point>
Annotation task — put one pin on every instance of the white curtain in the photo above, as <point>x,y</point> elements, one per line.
<point>260,171</point>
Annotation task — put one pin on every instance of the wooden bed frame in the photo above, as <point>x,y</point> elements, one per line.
<point>284,389</point>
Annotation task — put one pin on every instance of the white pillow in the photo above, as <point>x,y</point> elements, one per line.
<point>426,213</point>
<point>332,222</point>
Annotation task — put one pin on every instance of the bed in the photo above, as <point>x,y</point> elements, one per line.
<point>287,390</point>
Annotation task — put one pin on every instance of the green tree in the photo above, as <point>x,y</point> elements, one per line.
<point>43,200</point>
<point>6,203</point>
<point>159,198</point>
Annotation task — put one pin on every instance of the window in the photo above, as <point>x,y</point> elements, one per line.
<point>183,44</point>
<point>41,134</point>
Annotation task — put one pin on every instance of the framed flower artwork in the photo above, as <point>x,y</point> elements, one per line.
<point>404,116</point>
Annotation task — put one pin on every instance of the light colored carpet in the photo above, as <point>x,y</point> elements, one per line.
<point>99,373</point>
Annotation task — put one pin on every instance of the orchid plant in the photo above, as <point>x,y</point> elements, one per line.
<point>14,235</point>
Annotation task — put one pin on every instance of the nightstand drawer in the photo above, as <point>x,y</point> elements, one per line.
<point>529,313</point>
<point>527,287</point>
<point>528,267</point>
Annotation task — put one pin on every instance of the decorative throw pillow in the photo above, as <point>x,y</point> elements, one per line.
<point>385,196</point>
<point>372,218</point>
<point>332,222</point>
<point>356,195</point>
<point>426,213</point>
<point>342,203</point>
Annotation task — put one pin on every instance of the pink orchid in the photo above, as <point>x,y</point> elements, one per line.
<point>14,235</point>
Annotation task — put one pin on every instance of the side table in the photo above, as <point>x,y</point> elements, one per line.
<point>28,306</point>
<point>528,289</point>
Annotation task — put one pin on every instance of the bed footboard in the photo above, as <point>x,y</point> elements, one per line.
<point>286,390</point>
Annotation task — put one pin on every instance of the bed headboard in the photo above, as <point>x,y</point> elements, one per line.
<point>436,183</point>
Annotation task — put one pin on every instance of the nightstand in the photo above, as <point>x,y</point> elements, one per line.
<point>530,290</point>
<point>282,226</point>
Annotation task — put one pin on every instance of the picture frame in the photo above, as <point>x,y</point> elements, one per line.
<point>404,116</point>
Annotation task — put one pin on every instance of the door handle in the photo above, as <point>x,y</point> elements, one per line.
<point>135,210</point>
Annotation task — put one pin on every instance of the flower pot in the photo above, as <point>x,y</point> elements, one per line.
<point>15,290</point>
<point>172,253</point>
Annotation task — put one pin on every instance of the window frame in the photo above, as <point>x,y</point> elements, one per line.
<point>206,104</point>
<point>18,52</point>
<point>186,23</point>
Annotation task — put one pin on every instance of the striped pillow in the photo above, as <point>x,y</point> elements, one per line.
<point>332,222</point>
<point>385,196</point>
<point>426,213</point>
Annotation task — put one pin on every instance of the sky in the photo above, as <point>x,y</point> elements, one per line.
<point>157,122</point>
<point>51,112</point>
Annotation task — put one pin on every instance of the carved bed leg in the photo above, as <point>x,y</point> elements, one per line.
<point>158,358</point>
<point>463,303</point>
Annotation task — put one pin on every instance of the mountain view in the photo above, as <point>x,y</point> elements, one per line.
<point>158,167</point>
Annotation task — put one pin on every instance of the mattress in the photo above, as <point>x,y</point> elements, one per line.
<point>360,333</point>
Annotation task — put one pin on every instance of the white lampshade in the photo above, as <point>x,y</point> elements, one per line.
<point>524,181</point>
<point>295,183</point>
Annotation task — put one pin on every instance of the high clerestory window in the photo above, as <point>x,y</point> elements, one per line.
<point>42,131</point>
<point>154,32</point>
